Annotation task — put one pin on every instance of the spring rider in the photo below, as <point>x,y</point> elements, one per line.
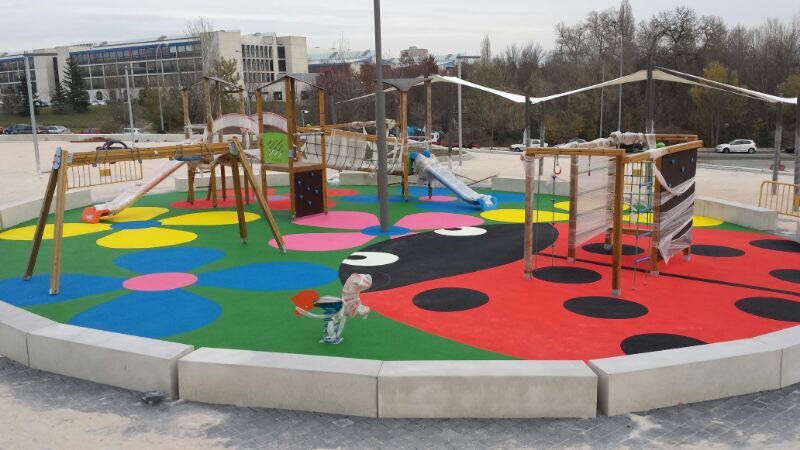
<point>335,311</point>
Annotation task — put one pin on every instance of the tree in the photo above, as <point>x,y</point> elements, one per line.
<point>77,97</point>
<point>22,101</point>
<point>716,108</point>
<point>59,99</point>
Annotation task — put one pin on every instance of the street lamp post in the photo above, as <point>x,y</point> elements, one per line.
<point>380,123</point>
<point>130,106</point>
<point>619,113</point>
<point>33,113</point>
<point>161,75</point>
<point>459,58</point>
<point>303,113</point>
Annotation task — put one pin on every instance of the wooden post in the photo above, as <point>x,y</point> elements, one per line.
<point>190,178</point>
<point>260,114</point>
<point>238,192</point>
<point>246,141</point>
<point>323,150</point>
<point>209,118</point>
<point>528,233</point>
<point>619,188</point>
<point>262,199</point>
<point>291,131</point>
<point>573,208</point>
<point>43,213</point>
<point>219,107</point>
<point>223,181</point>
<point>186,122</point>
<point>58,227</point>
<point>404,140</point>
<point>428,111</point>
<point>655,226</point>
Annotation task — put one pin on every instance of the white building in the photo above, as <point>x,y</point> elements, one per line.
<point>166,61</point>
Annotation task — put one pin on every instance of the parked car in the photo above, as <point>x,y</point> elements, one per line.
<point>737,146</point>
<point>19,128</point>
<point>57,129</point>
<point>789,149</point>
<point>576,141</point>
<point>91,131</point>
<point>98,103</point>
<point>521,147</point>
<point>132,130</point>
<point>41,103</point>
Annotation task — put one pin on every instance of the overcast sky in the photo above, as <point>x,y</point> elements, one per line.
<point>443,27</point>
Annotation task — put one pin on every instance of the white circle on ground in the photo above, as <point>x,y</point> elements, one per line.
<point>461,231</point>
<point>365,259</point>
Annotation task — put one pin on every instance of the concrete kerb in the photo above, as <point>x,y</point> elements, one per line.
<point>738,213</point>
<point>121,360</point>
<point>15,325</point>
<point>202,181</point>
<point>788,341</point>
<point>665,378</point>
<point>13,214</point>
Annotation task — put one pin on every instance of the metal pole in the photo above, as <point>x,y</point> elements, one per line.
<point>776,162</point>
<point>130,107</point>
<point>460,133</point>
<point>619,113</point>
<point>541,138</point>
<point>527,121</point>
<point>33,114</point>
<point>380,123</point>
<point>602,93</point>
<point>797,157</point>
<point>651,98</point>
<point>160,111</point>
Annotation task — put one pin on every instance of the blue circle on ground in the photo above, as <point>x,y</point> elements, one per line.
<point>151,314</point>
<point>422,191</point>
<point>392,231</point>
<point>508,196</point>
<point>371,198</point>
<point>180,259</point>
<point>36,291</point>
<point>269,276</point>
<point>135,225</point>
<point>450,207</point>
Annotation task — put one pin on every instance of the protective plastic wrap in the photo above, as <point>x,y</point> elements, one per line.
<point>673,235</point>
<point>593,197</point>
<point>348,150</point>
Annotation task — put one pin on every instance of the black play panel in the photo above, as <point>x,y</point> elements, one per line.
<point>566,274</point>
<point>450,299</point>
<point>430,256</point>
<point>678,168</point>
<point>771,308</point>
<point>308,193</point>
<point>653,342</point>
<point>605,307</point>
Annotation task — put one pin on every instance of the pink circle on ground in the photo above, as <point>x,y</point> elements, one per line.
<point>323,242</point>
<point>162,281</point>
<point>344,220</point>
<point>341,192</point>
<point>435,220</point>
<point>437,198</point>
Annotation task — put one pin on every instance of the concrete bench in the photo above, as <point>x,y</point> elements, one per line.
<point>281,380</point>
<point>15,324</point>
<point>129,362</point>
<point>738,213</point>
<point>686,375</point>
<point>486,389</point>
<point>788,340</point>
<point>352,178</point>
<point>517,184</point>
<point>13,214</point>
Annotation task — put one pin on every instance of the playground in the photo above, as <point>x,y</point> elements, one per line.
<point>447,278</point>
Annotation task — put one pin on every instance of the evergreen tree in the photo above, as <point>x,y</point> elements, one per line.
<point>22,107</point>
<point>59,99</point>
<point>77,97</point>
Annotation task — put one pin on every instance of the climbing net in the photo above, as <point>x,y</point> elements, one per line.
<point>350,150</point>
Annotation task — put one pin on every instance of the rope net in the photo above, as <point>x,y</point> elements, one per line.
<point>349,150</point>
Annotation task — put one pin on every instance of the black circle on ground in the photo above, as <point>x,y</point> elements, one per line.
<point>653,342</point>
<point>605,307</point>
<point>600,249</point>
<point>781,245</point>
<point>566,274</point>
<point>356,257</point>
<point>771,308</point>
<point>718,251</point>
<point>790,275</point>
<point>450,299</point>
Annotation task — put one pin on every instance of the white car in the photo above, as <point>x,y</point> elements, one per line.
<point>521,147</point>
<point>737,146</point>
<point>57,129</point>
<point>98,103</point>
<point>134,131</point>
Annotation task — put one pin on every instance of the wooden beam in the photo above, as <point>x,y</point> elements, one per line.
<point>38,235</point>
<point>656,225</point>
<point>209,116</point>
<point>186,121</point>
<point>573,208</point>
<point>58,227</point>
<point>676,148</point>
<point>619,187</point>
<point>291,130</point>
<point>237,188</point>
<point>219,107</point>
<point>527,241</point>
<point>260,114</point>
<point>147,153</point>
<point>552,151</point>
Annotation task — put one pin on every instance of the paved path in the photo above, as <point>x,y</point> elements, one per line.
<point>41,410</point>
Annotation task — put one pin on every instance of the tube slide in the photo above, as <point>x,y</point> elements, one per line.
<point>428,167</point>
<point>93,214</point>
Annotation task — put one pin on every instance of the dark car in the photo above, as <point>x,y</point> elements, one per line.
<point>789,149</point>
<point>19,128</point>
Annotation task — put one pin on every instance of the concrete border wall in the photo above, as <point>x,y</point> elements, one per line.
<point>15,324</point>
<point>517,184</point>
<point>13,214</point>
<point>120,360</point>
<point>486,389</point>
<point>738,213</point>
<point>686,375</point>
<point>788,340</point>
<point>182,181</point>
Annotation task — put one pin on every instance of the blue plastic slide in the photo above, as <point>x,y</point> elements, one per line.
<point>427,167</point>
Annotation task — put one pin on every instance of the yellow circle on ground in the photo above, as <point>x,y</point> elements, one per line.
<point>565,205</point>
<point>137,213</point>
<point>209,218</point>
<point>703,221</point>
<point>146,238</point>
<point>70,229</point>
<point>518,216</point>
